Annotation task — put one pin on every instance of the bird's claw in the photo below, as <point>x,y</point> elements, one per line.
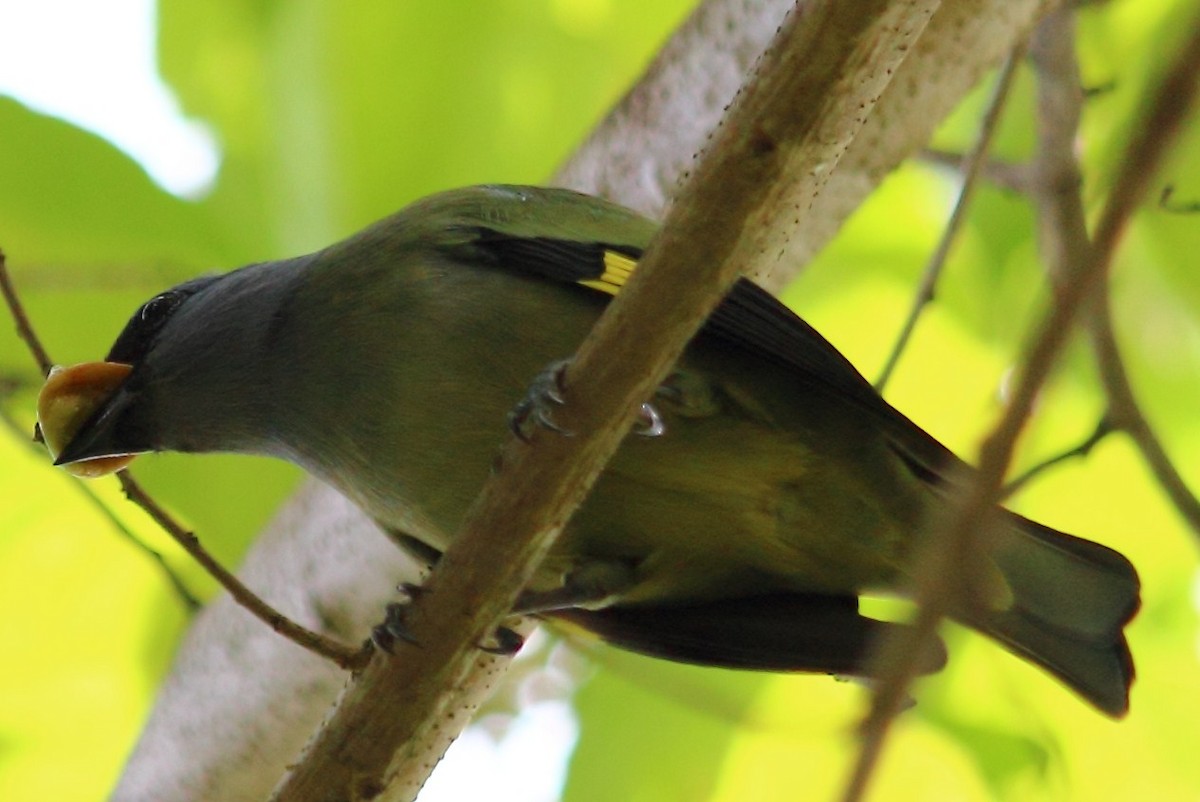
<point>508,642</point>
<point>411,590</point>
<point>394,627</point>
<point>545,394</point>
<point>650,423</point>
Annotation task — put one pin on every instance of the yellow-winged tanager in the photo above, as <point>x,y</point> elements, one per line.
<point>777,488</point>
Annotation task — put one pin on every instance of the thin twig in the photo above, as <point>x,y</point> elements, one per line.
<point>970,170</point>
<point>940,563</point>
<point>1173,103</point>
<point>1128,416</point>
<point>1004,174</point>
<point>345,656</point>
<point>24,329</point>
<point>190,602</point>
<point>1103,429</point>
<point>1167,203</point>
<point>1064,234</point>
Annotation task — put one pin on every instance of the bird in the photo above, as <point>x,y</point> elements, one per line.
<point>768,488</point>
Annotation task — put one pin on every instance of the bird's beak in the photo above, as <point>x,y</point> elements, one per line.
<point>78,411</point>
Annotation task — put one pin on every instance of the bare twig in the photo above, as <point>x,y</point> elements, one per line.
<point>940,562</point>
<point>1004,174</point>
<point>1055,188</point>
<point>190,602</point>
<point>345,656</point>
<point>1167,203</point>
<point>1103,429</point>
<point>24,329</point>
<point>970,167</point>
<point>1128,417</point>
<point>1064,235</point>
<point>1172,104</point>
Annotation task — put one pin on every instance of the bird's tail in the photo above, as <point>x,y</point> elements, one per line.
<point>1070,601</point>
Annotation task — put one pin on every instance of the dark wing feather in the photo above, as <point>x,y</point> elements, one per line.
<point>556,259</point>
<point>750,318</point>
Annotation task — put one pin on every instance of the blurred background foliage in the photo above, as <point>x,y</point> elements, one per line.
<point>331,115</point>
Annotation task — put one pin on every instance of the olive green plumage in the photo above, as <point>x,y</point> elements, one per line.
<point>782,488</point>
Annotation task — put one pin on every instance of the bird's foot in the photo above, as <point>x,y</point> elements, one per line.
<point>536,408</point>
<point>507,642</point>
<point>547,393</point>
<point>394,628</point>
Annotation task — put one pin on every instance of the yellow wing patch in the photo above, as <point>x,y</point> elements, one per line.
<point>617,269</point>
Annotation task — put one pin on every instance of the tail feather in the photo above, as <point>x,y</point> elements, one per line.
<point>1071,599</point>
<point>1099,671</point>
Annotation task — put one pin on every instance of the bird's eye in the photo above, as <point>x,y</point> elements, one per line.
<point>138,336</point>
<point>159,307</point>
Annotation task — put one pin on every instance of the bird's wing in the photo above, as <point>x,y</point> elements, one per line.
<point>749,317</point>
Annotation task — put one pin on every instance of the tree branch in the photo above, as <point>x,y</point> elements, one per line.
<point>969,169</point>
<point>775,136</point>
